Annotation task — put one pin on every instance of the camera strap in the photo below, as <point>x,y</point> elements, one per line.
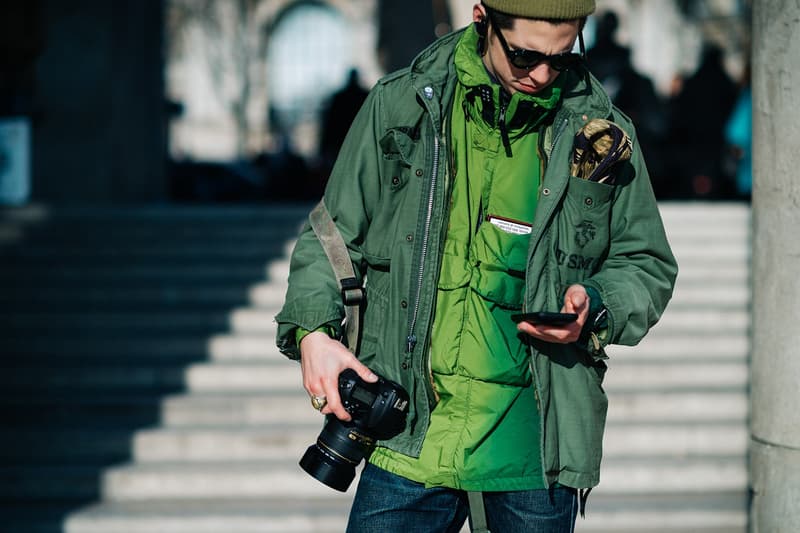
<point>350,288</point>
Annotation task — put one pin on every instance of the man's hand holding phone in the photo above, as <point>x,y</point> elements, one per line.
<point>560,330</point>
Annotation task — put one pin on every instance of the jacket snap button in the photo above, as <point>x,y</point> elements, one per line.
<point>409,237</point>
<point>588,202</point>
<point>546,191</point>
<point>404,365</point>
<point>395,180</point>
<point>403,304</point>
<point>419,172</point>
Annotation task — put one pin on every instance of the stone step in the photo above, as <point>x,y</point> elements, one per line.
<point>723,513</point>
<point>46,445</point>
<point>20,483</point>
<point>691,273</point>
<point>710,252</point>
<point>58,412</point>
<point>242,320</point>
<point>288,442</point>
<point>173,347</point>
<point>276,515</point>
<point>207,480</point>
<point>703,213</point>
<point>282,441</point>
<point>678,407</point>
<point>708,321</point>
<point>704,274</point>
<point>119,375</point>
<point>270,295</point>
<point>731,296</point>
<point>142,232</point>
<point>275,269</point>
<point>654,475</point>
<point>104,446</point>
<point>734,231</point>
<point>666,345</point>
<point>121,251</point>
<point>262,376</point>
<point>166,347</point>
<point>252,320</point>
<point>679,440</point>
<point>117,409</point>
<point>713,512</point>
<point>212,480</point>
<point>232,409</point>
<point>99,217</point>
<point>167,296</point>
<point>716,245</point>
<point>74,266</point>
<point>723,376</point>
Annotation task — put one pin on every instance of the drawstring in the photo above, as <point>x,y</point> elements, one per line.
<point>583,495</point>
<point>504,132</point>
<point>484,92</point>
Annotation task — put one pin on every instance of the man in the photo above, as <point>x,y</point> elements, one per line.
<point>454,194</point>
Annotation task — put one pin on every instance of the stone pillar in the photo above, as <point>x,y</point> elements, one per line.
<point>775,395</point>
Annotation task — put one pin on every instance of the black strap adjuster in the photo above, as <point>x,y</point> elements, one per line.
<point>352,291</point>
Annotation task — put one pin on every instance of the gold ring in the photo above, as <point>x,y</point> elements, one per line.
<point>319,402</point>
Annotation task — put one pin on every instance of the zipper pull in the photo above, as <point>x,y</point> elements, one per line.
<point>411,342</point>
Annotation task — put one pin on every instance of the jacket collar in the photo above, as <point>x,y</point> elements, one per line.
<point>433,76</point>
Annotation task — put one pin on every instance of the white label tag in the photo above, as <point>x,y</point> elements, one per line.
<point>514,227</point>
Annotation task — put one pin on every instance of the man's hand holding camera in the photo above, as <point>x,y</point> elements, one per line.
<point>322,360</point>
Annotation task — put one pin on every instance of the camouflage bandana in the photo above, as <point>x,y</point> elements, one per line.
<point>599,145</point>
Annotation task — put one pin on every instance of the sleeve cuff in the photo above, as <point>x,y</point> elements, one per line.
<point>300,333</point>
<point>595,331</point>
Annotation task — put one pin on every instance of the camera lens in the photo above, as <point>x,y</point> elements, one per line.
<point>378,412</point>
<point>333,459</point>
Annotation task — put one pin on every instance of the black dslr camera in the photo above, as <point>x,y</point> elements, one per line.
<point>378,412</point>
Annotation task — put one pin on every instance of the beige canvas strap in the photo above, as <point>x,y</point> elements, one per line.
<point>352,293</point>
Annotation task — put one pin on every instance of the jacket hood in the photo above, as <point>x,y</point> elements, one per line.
<point>434,69</point>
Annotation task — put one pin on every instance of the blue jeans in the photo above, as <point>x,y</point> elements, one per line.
<point>388,503</point>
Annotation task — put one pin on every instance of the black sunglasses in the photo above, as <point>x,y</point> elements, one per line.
<point>527,59</point>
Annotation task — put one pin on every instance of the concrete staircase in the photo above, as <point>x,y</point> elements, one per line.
<point>676,441</point>
<point>141,390</point>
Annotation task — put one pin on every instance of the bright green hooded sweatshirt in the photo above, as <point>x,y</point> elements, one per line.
<point>484,432</point>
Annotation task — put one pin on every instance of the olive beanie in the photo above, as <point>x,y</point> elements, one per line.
<point>543,9</point>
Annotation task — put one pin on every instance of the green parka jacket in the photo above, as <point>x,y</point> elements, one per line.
<point>389,193</point>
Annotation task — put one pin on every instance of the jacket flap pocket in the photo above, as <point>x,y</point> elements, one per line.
<point>587,194</point>
<point>398,144</point>
<point>499,286</point>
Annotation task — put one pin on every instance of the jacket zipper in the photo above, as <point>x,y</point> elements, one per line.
<point>557,134</point>
<point>411,339</point>
<point>501,123</point>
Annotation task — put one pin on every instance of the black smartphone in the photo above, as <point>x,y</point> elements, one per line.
<point>545,318</point>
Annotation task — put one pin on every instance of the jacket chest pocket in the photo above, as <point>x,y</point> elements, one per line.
<point>392,222</point>
<point>582,229</point>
